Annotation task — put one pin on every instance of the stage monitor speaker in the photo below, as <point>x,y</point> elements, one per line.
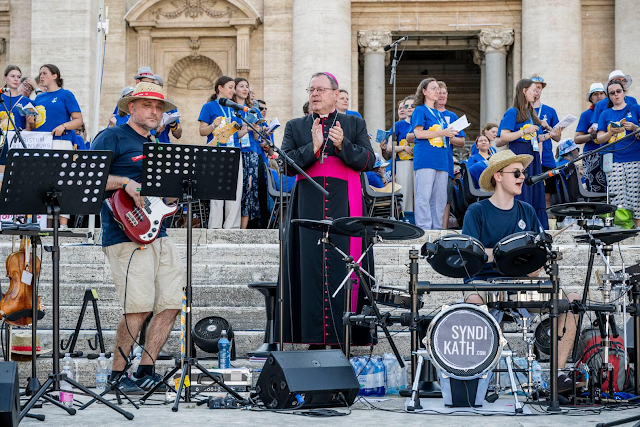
<point>307,379</point>
<point>9,394</point>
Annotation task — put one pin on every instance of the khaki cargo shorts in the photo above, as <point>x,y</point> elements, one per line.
<point>156,277</point>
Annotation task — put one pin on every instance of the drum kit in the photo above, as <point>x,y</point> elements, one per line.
<point>464,342</point>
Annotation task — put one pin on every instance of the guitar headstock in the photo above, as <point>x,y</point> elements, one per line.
<point>222,134</point>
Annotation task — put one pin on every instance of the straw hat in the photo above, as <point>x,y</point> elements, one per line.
<point>145,91</point>
<point>21,346</point>
<point>499,161</point>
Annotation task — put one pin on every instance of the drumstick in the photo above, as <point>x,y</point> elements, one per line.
<point>561,231</point>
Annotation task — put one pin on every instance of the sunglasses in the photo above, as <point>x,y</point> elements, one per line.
<point>262,108</point>
<point>408,105</point>
<point>517,173</point>
<point>537,79</point>
<point>615,92</point>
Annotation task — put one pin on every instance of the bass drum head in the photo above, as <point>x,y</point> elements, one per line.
<point>456,255</point>
<point>464,341</point>
<point>518,255</point>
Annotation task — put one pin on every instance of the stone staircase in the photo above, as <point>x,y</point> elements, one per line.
<point>224,263</point>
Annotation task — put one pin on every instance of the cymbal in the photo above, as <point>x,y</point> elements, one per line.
<point>324,225</point>
<point>608,235</point>
<point>582,209</point>
<point>388,229</point>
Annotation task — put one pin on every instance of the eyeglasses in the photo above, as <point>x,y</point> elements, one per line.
<point>537,79</point>
<point>408,105</point>
<point>517,173</point>
<point>615,92</point>
<point>320,90</point>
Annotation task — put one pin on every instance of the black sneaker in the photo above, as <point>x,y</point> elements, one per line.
<point>147,382</point>
<point>564,384</point>
<point>128,386</point>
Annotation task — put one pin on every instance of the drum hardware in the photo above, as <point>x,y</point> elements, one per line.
<point>455,255</point>
<point>496,284</point>
<point>521,253</point>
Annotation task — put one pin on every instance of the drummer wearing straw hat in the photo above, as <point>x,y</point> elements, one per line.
<point>502,215</point>
<point>147,281</point>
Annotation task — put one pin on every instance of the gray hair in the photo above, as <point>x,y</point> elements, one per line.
<point>334,84</point>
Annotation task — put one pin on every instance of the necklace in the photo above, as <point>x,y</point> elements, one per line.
<point>323,155</point>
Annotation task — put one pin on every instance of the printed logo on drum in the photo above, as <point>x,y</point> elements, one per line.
<point>464,340</point>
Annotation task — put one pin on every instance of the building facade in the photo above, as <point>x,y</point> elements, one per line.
<point>479,48</point>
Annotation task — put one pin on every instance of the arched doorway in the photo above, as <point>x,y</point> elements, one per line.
<point>191,80</point>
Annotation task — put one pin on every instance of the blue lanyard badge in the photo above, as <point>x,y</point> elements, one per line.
<point>535,146</point>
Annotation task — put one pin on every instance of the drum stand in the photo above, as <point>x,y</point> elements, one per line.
<point>554,312</point>
<point>348,283</point>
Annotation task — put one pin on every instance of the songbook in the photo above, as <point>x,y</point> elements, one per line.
<point>461,124</point>
<point>566,122</point>
<point>168,118</point>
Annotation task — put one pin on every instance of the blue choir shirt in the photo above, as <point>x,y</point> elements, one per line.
<point>475,170</point>
<point>475,159</point>
<point>402,129</point>
<point>509,122</point>
<point>583,126</point>
<point>79,142</point>
<point>126,144</point>
<point>450,117</point>
<point>431,153</point>
<point>375,180</point>
<point>352,113</point>
<point>549,114</point>
<point>603,104</point>
<point>11,103</point>
<point>474,150</point>
<point>55,108</point>
<point>164,136</point>
<point>629,149</point>
<point>490,224</point>
<point>211,110</point>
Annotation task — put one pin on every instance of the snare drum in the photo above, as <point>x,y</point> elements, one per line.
<point>456,255</point>
<point>520,254</point>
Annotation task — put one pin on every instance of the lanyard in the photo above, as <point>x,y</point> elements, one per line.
<point>539,110</point>
<point>227,114</point>
<point>438,117</point>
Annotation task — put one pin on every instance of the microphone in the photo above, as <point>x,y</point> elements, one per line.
<point>530,180</point>
<point>226,102</point>
<point>389,46</point>
<point>6,90</point>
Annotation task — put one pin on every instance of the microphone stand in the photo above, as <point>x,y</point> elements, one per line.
<point>286,160</point>
<point>392,81</point>
<point>13,124</point>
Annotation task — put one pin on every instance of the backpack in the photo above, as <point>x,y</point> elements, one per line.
<point>592,354</point>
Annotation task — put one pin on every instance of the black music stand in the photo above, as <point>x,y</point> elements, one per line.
<point>189,172</point>
<point>55,182</point>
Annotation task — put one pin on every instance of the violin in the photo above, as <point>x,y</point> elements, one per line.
<point>20,295</point>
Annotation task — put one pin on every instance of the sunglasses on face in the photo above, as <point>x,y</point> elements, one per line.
<point>262,108</point>
<point>615,92</point>
<point>408,105</point>
<point>537,79</point>
<point>517,173</point>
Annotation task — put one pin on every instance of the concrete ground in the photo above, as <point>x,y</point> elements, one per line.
<point>361,415</point>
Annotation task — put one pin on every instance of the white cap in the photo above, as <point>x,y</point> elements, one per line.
<point>619,73</point>
<point>595,87</point>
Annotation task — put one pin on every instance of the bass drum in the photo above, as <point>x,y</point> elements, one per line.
<point>455,255</point>
<point>521,253</point>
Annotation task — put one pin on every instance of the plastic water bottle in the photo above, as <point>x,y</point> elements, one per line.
<point>369,377</point>
<point>379,389</point>
<point>357,364</point>
<point>224,356</point>
<point>66,391</point>
<point>391,368</point>
<point>134,366</point>
<point>102,373</point>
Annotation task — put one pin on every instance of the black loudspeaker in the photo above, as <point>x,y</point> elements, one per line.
<point>307,379</point>
<point>9,396</point>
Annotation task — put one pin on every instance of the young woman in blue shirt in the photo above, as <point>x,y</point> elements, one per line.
<point>594,176</point>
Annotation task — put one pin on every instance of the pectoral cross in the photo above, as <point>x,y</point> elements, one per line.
<point>322,157</point>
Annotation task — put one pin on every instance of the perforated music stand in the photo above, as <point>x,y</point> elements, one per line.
<point>55,182</point>
<point>189,172</point>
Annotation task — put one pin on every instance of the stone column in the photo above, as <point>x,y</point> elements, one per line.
<point>478,59</point>
<point>144,47</point>
<point>552,48</point>
<point>372,44</point>
<point>321,41</point>
<point>243,52</point>
<point>628,29</point>
<point>494,44</point>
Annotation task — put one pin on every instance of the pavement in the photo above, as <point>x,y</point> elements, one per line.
<point>390,414</point>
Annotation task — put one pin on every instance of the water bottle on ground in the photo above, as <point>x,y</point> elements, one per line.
<point>391,369</point>
<point>379,389</point>
<point>102,373</point>
<point>66,391</point>
<point>224,356</point>
<point>134,366</point>
<point>369,377</point>
<point>357,364</point>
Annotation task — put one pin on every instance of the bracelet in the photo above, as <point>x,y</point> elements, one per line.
<point>125,183</point>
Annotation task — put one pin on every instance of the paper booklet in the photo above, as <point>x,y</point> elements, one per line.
<point>382,135</point>
<point>27,110</point>
<point>460,124</point>
<point>566,122</point>
<point>273,125</point>
<point>168,118</point>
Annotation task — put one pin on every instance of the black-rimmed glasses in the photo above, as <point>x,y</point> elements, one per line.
<point>517,173</point>
<point>615,92</point>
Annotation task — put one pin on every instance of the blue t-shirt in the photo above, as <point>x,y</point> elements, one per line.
<point>474,150</point>
<point>11,103</point>
<point>289,181</point>
<point>475,170</point>
<point>55,108</point>
<point>79,142</point>
<point>549,114</point>
<point>164,136</point>
<point>629,149</point>
<point>509,122</point>
<point>583,126</point>
<point>126,144</point>
<point>211,110</point>
<point>490,224</point>
<point>402,129</point>
<point>248,142</point>
<point>375,180</point>
<point>475,159</point>
<point>450,117</point>
<point>431,153</point>
<point>603,104</point>
<point>352,113</point>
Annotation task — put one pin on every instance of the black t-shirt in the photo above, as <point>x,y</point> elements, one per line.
<point>126,144</point>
